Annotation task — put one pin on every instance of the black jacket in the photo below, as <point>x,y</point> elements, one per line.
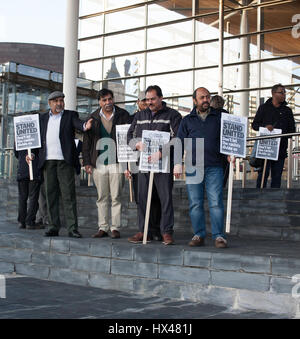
<point>91,137</point>
<point>165,120</point>
<point>69,122</point>
<point>279,117</point>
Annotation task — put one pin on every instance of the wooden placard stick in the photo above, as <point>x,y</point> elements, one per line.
<point>150,187</point>
<point>229,194</point>
<point>130,183</point>
<point>30,164</point>
<point>264,174</point>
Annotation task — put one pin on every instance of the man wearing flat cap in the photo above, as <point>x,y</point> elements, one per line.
<point>58,159</point>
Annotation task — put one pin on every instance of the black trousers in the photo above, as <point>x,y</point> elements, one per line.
<point>155,209</point>
<point>60,179</point>
<point>163,184</point>
<point>28,200</point>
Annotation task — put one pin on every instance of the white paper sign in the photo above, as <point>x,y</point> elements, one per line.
<point>233,135</point>
<point>153,141</point>
<point>268,148</point>
<point>124,152</point>
<point>27,132</point>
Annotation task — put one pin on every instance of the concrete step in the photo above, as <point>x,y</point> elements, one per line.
<point>252,274</point>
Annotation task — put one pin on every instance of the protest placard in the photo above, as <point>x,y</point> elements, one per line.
<point>27,132</point>
<point>124,152</point>
<point>233,135</point>
<point>268,148</point>
<point>154,141</point>
<point>27,135</point>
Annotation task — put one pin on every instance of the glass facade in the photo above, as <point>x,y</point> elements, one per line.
<point>24,90</point>
<point>128,45</point>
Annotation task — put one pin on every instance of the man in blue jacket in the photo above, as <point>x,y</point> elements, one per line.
<point>204,122</point>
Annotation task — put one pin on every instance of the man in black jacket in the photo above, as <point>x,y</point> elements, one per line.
<point>274,113</point>
<point>158,116</point>
<point>99,159</point>
<point>28,190</point>
<point>58,158</point>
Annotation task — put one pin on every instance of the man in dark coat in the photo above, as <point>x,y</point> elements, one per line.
<point>275,113</point>
<point>58,158</point>
<point>28,190</point>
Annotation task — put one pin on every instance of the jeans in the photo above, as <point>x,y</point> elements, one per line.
<point>276,168</point>
<point>213,184</point>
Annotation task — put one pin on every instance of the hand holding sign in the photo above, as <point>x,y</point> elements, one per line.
<point>27,136</point>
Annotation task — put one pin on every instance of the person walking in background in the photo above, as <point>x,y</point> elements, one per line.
<point>275,113</point>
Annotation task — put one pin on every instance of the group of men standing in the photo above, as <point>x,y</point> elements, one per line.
<point>57,159</point>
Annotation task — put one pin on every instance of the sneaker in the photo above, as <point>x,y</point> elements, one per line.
<point>196,241</point>
<point>138,238</point>
<point>167,239</point>
<point>220,242</point>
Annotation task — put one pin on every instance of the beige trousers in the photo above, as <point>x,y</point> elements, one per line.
<point>109,181</point>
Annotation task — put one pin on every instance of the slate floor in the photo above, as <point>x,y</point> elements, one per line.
<point>29,298</point>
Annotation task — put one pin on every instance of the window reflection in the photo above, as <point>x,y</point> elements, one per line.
<point>170,60</point>
<point>90,49</point>
<point>90,6</point>
<point>169,10</point>
<point>174,34</point>
<point>91,26</point>
<point>119,21</point>
<point>124,43</point>
<point>91,70</point>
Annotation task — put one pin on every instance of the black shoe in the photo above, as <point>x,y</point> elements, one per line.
<point>22,226</point>
<point>157,237</point>
<point>75,234</point>
<point>51,233</point>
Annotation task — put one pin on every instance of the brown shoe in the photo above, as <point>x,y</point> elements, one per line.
<point>100,234</point>
<point>167,239</point>
<point>115,234</point>
<point>196,241</point>
<point>220,242</point>
<point>138,238</point>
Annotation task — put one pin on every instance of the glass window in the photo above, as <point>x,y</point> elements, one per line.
<point>90,26</point>
<point>90,49</point>
<point>207,28</point>
<point>204,6</point>
<point>173,84</point>
<point>90,6</point>
<point>174,34</point>
<point>169,10</point>
<point>124,66</point>
<point>206,54</point>
<point>208,78</point>
<point>182,105</point>
<point>170,60</point>
<point>124,43</point>
<point>125,20</point>
<point>34,72</point>
<point>113,4</point>
<point>91,70</point>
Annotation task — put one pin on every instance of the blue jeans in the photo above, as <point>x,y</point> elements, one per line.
<point>213,184</point>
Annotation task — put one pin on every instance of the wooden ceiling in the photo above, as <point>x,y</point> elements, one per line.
<point>280,43</point>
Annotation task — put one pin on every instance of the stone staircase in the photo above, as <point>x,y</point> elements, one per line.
<point>255,273</point>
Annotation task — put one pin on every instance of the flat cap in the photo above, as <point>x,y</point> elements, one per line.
<point>56,94</point>
<point>142,95</point>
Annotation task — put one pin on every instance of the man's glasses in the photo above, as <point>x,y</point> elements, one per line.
<point>281,92</point>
